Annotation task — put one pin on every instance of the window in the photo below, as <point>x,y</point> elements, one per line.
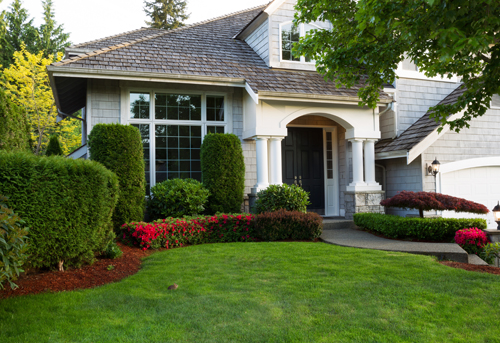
<point>290,35</point>
<point>172,127</point>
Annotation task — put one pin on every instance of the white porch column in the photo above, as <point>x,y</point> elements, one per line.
<point>370,162</point>
<point>357,163</point>
<point>275,161</point>
<point>262,169</point>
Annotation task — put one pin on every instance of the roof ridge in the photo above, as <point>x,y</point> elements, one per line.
<point>108,37</point>
<point>139,40</point>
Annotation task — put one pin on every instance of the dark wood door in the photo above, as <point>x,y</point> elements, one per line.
<point>302,154</point>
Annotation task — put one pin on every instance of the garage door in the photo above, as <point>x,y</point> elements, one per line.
<point>480,185</point>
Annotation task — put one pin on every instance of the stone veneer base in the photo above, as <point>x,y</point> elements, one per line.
<point>363,202</point>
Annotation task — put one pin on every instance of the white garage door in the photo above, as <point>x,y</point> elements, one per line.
<point>480,185</point>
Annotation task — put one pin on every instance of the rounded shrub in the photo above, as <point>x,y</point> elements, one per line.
<point>119,148</point>
<point>12,244</point>
<point>472,240</point>
<point>275,197</point>
<point>223,170</point>
<point>54,148</point>
<point>66,203</point>
<point>14,127</point>
<point>177,198</point>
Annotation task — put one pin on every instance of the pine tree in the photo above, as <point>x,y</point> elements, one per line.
<point>19,30</point>
<point>54,148</point>
<point>52,38</point>
<point>166,14</point>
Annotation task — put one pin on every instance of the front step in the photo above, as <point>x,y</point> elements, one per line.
<point>338,224</point>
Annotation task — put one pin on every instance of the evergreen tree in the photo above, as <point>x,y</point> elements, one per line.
<point>52,38</point>
<point>2,27</point>
<point>14,127</point>
<point>54,148</point>
<point>166,14</point>
<point>19,29</point>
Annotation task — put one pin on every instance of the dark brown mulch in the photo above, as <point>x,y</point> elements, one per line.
<point>86,277</point>
<point>472,267</point>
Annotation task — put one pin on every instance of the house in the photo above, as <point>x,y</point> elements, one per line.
<point>236,74</point>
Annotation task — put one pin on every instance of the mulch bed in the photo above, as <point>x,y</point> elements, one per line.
<point>128,264</point>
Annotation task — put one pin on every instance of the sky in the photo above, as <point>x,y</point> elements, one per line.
<point>88,20</point>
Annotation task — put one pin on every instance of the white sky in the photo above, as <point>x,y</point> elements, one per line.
<point>88,20</point>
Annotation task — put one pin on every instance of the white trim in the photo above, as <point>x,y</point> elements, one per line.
<point>327,99</point>
<point>78,153</point>
<point>410,74</point>
<point>470,163</point>
<point>334,209</point>
<point>391,154</point>
<point>432,137</point>
<point>274,6</point>
<point>302,33</point>
<point>253,95</point>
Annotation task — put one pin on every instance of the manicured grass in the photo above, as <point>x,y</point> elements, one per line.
<point>269,292</point>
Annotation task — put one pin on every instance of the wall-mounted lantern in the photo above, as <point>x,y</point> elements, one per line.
<point>496,214</point>
<point>433,169</point>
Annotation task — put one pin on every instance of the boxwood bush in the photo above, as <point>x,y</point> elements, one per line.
<point>429,229</point>
<point>66,203</point>
<point>275,197</point>
<point>282,224</point>
<point>119,148</point>
<point>177,198</point>
<point>223,170</point>
<point>12,244</point>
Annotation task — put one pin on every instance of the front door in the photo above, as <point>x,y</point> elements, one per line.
<point>302,152</point>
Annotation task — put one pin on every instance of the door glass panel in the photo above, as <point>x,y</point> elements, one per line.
<point>329,156</point>
<point>144,129</point>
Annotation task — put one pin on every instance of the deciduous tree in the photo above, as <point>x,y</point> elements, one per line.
<point>166,14</point>
<point>442,37</point>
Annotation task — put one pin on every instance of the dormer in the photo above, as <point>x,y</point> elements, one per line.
<point>271,34</point>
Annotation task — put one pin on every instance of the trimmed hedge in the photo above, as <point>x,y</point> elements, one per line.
<point>12,244</point>
<point>66,203</point>
<point>276,197</point>
<point>177,198</point>
<point>14,127</point>
<point>177,232</point>
<point>430,229</point>
<point>282,224</point>
<point>119,148</point>
<point>223,170</point>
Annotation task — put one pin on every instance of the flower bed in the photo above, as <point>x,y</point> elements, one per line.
<point>174,232</point>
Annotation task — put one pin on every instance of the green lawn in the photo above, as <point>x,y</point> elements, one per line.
<point>269,292</point>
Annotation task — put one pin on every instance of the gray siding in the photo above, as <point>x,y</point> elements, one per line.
<point>402,177</point>
<point>495,101</point>
<point>104,101</point>
<point>480,140</point>
<point>415,97</point>
<point>259,41</point>
<point>387,125</point>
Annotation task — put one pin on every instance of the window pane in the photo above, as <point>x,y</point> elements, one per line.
<point>289,35</point>
<point>181,157</point>
<point>144,129</point>
<point>139,105</point>
<point>180,106</point>
<point>215,108</point>
<point>215,129</point>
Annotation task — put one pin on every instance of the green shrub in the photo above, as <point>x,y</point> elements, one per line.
<point>54,148</point>
<point>66,203</point>
<point>12,244</point>
<point>429,229</point>
<point>177,198</point>
<point>14,127</point>
<point>223,170</point>
<point>112,251</point>
<point>275,197</point>
<point>490,252</point>
<point>282,224</point>
<point>119,148</point>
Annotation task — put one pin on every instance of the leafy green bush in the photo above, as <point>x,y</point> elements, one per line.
<point>54,148</point>
<point>177,198</point>
<point>66,203</point>
<point>112,251</point>
<point>223,169</point>
<point>119,148</point>
<point>14,127</point>
<point>282,224</point>
<point>429,229</point>
<point>275,197</point>
<point>177,232</point>
<point>490,252</point>
<point>12,244</point>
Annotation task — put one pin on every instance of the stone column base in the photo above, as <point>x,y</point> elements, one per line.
<point>363,202</point>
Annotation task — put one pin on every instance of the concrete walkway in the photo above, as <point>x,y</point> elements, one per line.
<point>360,239</point>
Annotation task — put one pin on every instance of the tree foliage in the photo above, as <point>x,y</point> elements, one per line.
<point>54,148</point>
<point>166,14</point>
<point>14,127</point>
<point>442,37</point>
<point>51,37</point>
<point>27,84</point>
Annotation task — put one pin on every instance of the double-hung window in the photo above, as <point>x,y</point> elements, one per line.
<point>172,127</point>
<point>289,35</point>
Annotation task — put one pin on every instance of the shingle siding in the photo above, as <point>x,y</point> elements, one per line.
<point>259,41</point>
<point>387,125</point>
<point>104,102</point>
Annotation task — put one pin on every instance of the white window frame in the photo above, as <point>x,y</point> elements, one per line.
<point>203,123</point>
<point>417,74</point>
<point>302,33</point>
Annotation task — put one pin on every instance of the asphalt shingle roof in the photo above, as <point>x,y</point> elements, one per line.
<point>419,130</point>
<point>205,49</point>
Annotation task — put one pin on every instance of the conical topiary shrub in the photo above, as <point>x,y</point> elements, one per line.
<point>54,148</point>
